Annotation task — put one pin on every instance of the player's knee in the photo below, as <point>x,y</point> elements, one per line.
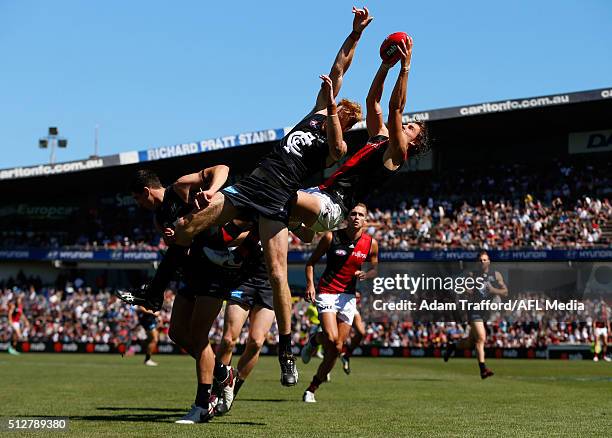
<point>228,342</point>
<point>277,266</point>
<point>330,339</point>
<point>277,278</point>
<point>339,346</point>
<point>255,344</point>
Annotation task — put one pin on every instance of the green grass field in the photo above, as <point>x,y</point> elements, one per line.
<point>109,396</point>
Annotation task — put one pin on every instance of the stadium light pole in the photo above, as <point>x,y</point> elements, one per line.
<point>52,140</point>
<point>96,138</point>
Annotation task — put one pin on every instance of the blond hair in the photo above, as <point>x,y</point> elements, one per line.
<point>349,111</point>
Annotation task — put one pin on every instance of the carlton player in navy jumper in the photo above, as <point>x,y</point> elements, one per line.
<point>324,207</point>
<point>216,275</point>
<point>492,285</point>
<point>207,278</point>
<point>169,204</point>
<point>211,274</point>
<point>315,143</point>
<point>148,320</point>
<point>347,250</point>
<point>252,299</point>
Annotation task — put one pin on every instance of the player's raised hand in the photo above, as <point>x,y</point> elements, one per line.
<point>405,52</point>
<point>361,19</point>
<point>328,90</point>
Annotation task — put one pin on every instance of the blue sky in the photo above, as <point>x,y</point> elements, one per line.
<point>155,73</point>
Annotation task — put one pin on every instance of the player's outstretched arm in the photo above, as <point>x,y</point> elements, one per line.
<point>398,140</point>
<point>374,115</point>
<point>212,178</point>
<point>335,140</point>
<point>319,252</point>
<point>343,60</point>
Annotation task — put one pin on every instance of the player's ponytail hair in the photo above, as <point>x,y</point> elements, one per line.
<point>349,112</point>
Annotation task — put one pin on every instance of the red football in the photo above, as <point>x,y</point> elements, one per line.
<point>388,49</point>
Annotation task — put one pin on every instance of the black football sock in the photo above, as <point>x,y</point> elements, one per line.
<point>238,385</point>
<point>313,341</point>
<point>349,349</point>
<point>166,271</point>
<point>284,344</point>
<point>482,367</point>
<point>203,395</point>
<point>221,373</point>
<point>314,385</point>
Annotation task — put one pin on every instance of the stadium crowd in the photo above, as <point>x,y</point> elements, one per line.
<point>79,313</point>
<point>490,225</point>
<point>558,206</point>
<point>553,206</point>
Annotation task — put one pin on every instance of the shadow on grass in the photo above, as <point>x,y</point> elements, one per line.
<point>240,423</point>
<point>142,418</point>
<point>428,380</point>
<point>412,379</point>
<point>139,418</point>
<point>119,408</point>
<point>273,400</point>
<point>161,418</point>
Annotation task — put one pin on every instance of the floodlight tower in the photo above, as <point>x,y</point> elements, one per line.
<point>53,140</point>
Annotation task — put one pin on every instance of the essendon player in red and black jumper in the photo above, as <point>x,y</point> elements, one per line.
<point>365,170</point>
<point>16,317</point>
<point>347,250</point>
<point>324,207</point>
<point>601,329</point>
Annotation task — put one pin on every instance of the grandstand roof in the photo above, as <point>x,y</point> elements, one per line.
<point>539,107</point>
